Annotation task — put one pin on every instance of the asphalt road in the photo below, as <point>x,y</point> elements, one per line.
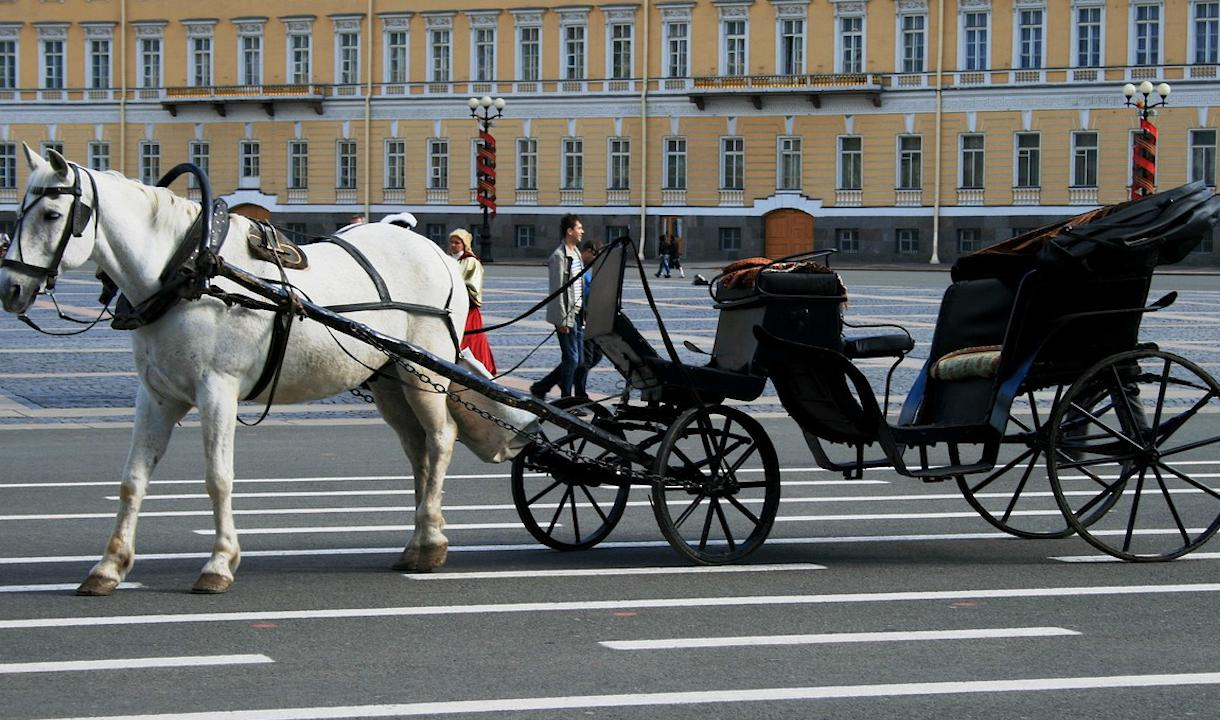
<point>884,597</point>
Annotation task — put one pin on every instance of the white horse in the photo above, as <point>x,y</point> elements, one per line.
<point>206,354</point>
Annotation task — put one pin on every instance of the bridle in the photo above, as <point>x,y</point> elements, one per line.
<point>78,221</point>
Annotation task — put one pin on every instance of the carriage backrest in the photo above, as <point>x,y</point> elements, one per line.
<point>608,327</point>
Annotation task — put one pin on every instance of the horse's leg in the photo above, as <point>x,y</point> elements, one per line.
<point>154,422</point>
<point>218,414</point>
<point>427,434</point>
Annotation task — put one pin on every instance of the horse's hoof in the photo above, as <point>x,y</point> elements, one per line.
<point>212,584</point>
<point>423,559</point>
<point>97,586</point>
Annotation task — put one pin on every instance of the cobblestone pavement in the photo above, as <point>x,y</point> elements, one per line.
<point>89,379</point>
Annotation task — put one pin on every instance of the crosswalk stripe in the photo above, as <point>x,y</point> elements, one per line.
<point>132,663</point>
<point>833,638</point>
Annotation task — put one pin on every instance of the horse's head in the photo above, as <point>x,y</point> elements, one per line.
<point>55,212</point>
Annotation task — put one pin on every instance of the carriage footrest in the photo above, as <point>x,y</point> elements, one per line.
<point>874,346</point>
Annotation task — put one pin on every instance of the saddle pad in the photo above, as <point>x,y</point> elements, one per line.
<point>267,243</point>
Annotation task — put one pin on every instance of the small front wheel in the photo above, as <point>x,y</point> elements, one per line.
<point>715,505</point>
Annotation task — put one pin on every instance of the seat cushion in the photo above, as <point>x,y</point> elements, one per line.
<point>972,362</point>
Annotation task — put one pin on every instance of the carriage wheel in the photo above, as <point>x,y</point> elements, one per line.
<point>1016,496</point>
<point>1123,481</point>
<point>561,510</point>
<point>711,508</point>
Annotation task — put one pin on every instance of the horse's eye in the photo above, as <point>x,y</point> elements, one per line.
<point>52,215</point>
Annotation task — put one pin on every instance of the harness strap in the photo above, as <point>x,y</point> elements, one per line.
<point>364,263</point>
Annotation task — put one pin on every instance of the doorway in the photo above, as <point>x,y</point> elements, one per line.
<point>788,232</point>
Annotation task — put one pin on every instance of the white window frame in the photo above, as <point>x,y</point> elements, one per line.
<point>789,147</point>
<point>618,163</point>
<point>967,162</point>
<point>349,63</point>
<point>531,23</point>
<point>1191,148</point>
<point>10,34</point>
<point>1077,8</point>
<point>527,163</point>
<point>841,33</point>
<point>347,164</point>
<point>847,240</point>
<point>482,25</point>
<point>915,155</point>
<point>56,35</point>
<point>249,163</point>
<point>840,166</point>
<point>674,163</point>
<point>1133,50</point>
<point>298,164</point>
<point>904,237</point>
<point>395,150</point>
<point>1193,46</point>
<point>198,153</point>
<point>200,34</point>
<point>245,35</point>
<point>438,163</point>
<point>730,16</point>
<point>296,28</point>
<point>1022,156</point>
<point>900,43</point>
<point>613,70</point>
<point>440,54</point>
<point>785,63</point>
<point>96,35</point>
<point>572,154</point>
<point>574,66</point>
<point>150,162</point>
<point>677,47</point>
<point>150,75</point>
<point>1032,61</point>
<point>396,49</point>
<point>99,149</point>
<point>725,154</point>
<point>1076,149</point>
<point>962,40</point>
<point>8,165</point>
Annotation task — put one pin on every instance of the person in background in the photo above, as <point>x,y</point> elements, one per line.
<point>675,257</point>
<point>402,219</point>
<point>663,249</point>
<point>564,311</point>
<point>592,353</point>
<point>460,247</point>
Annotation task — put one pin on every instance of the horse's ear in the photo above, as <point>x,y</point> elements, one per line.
<point>58,163</point>
<point>31,157</point>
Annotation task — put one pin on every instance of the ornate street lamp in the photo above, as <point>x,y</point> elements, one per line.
<point>1143,156</point>
<point>482,109</point>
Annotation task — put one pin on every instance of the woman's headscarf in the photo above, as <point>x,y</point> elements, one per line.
<point>467,241</point>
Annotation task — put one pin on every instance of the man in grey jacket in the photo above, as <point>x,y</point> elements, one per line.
<point>564,312</point>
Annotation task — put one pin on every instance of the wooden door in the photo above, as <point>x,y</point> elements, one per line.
<point>788,232</point>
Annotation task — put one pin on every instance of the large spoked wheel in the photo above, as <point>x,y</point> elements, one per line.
<point>1123,481</point>
<point>712,508</point>
<point>1016,496</point>
<point>560,509</point>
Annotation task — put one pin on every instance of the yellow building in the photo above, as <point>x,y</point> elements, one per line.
<point>891,129</point>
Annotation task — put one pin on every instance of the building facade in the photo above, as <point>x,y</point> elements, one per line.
<point>892,130</point>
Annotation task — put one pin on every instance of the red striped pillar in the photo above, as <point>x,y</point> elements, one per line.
<point>486,164</point>
<point>1143,168</point>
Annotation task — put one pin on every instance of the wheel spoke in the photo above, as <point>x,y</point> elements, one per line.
<point>995,475</point>
<point>1189,480</point>
<point>1176,423</point>
<point>1160,395</point>
<point>1106,492</point>
<point>743,510</point>
<point>689,509</point>
<point>1135,506</point>
<point>1016,495</point>
<point>1190,446</point>
<point>575,514</point>
<point>731,472</point>
<point>707,524</point>
<point>724,525</point>
<point>559,510</point>
<point>592,501</point>
<point>538,497</point>
<point>1173,508</point>
<point>1109,430</point>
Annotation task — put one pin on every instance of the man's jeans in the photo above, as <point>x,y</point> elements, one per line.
<point>571,348</point>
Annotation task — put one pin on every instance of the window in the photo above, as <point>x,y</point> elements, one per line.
<point>298,165</point>
<point>730,239</point>
<point>573,52</point>
<point>150,62</point>
<point>438,164</point>
<point>484,65</point>
<point>396,57</point>
<point>345,168</point>
<point>792,46</point>
<point>53,64</point>
<point>677,49</point>
<point>8,64</point>
<point>732,163</point>
<point>675,163</point>
<point>573,164</point>
<point>1205,34</point>
<point>201,61</point>
<point>847,240</point>
<point>851,163</point>
<point>347,58</point>
<point>529,45</point>
<point>1203,156</point>
<point>250,66</point>
<point>907,241</point>
<point>99,63</point>
<point>8,165</point>
<point>150,162</point>
<point>1029,160</point>
<point>733,52</point>
<point>527,164</point>
<point>295,231</point>
<point>436,233</point>
<point>1147,43</point>
<point>968,240</point>
<point>55,145</point>
<point>99,155</point>
<point>523,236</point>
<point>1029,39</point>
<point>1084,159</point>
<point>1088,37</point>
<point>439,47</point>
<point>614,232</point>
<point>620,51</point>
<point>395,164</point>
<point>788,165</point>
<point>851,44</point>
<point>300,58</point>
<point>248,163</point>
<point>972,161</point>
<point>620,164</point>
<point>910,162</point>
<point>913,43</point>
<point>974,40</point>
<point>199,154</point>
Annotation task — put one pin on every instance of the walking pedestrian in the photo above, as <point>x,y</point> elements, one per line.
<point>461,248</point>
<point>592,352</point>
<point>675,257</point>
<point>663,250</point>
<point>564,311</point>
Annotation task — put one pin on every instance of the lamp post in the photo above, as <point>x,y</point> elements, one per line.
<point>1143,155</point>
<point>485,110</point>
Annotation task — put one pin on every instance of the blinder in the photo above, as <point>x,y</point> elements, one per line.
<point>79,216</point>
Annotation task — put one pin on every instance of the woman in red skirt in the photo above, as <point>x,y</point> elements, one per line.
<point>460,247</point>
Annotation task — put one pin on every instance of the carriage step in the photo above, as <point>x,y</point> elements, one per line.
<point>946,472</point>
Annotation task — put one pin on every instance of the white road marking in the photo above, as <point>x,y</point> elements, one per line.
<point>132,663</point>
<point>56,587</point>
<point>707,697</point>
<point>362,529</point>
<point>600,572</point>
<point>739,601</point>
<point>832,638</point>
<point>1109,558</point>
